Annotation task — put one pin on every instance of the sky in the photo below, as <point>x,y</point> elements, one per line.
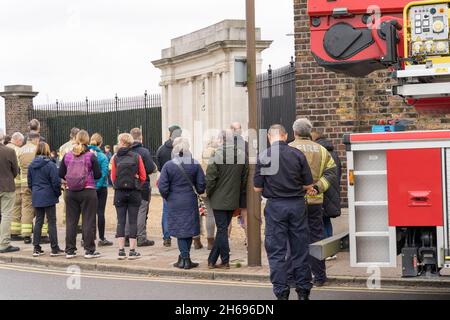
<point>73,49</point>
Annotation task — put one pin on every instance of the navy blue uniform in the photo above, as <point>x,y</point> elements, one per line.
<point>282,172</point>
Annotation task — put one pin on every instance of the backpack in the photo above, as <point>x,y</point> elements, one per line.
<point>127,167</point>
<point>77,173</point>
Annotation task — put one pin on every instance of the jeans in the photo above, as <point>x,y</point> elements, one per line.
<point>328,227</point>
<point>7,200</point>
<point>165,224</point>
<point>221,245</point>
<point>127,206</point>
<point>52,231</point>
<point>102,195</point>
<point>81,202</point>
<point>184,245</point>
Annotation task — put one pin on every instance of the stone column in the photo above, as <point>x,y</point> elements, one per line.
<point>18,105</point>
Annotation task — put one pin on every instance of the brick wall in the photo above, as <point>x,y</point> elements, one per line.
<point>337,104</point>
<point>17,114</point>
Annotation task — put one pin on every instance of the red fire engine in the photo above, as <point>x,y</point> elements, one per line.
<point>398,182</point>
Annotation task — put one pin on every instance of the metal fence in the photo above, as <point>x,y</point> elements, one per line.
<point>277,98</point>
<point>109,117</point>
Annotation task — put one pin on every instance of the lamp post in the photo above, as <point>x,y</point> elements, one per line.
<point>253,199</point>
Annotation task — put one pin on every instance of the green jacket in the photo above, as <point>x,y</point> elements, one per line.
<point>226,178</point>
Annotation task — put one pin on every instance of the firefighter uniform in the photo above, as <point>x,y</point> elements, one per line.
<point>324,172</point>
<point>286,221</point>
<point>26,155</point>
<point>16,226</point>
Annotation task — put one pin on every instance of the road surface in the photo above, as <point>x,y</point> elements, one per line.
<point>23,282</point>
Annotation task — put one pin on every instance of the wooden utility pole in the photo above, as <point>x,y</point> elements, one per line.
<point>253,199</point>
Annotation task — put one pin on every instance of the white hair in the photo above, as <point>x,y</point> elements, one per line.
<point>302,127</point>
<point>181,145</point>
<point>18,137</point>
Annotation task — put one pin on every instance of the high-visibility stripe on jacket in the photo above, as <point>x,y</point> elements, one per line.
<point>322,165</point>
<point>16,228</point>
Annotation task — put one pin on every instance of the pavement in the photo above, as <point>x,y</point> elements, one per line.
<point>157,261</point>
<point>63,285</point>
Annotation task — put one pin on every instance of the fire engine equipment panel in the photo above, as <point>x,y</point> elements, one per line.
<point>399,201</point>
<point>429,30</point>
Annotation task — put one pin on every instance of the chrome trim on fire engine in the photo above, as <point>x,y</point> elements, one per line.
<point>423,90</point>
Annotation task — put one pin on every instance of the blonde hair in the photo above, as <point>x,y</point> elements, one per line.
<point>125,139</point>
<point>96,140</point>
<point>81,141</point>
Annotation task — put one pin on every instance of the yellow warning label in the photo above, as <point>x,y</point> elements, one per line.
<point>441,70</point>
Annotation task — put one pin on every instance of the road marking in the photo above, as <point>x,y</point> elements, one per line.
<point>143,278</point>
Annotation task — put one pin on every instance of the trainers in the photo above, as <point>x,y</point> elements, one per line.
<point>104,243</point>
<point>146,243</point>
<point>71,255</point>
<point>134,255</point>
<point>37,252</point>
<point>27,240</point>
<point>57,252</point>
<point>10,249</point>
<point>168,243</point>
<point>122,255</point>
<point>331,258</point>
<point>92,255</point>
<point>45,240</point>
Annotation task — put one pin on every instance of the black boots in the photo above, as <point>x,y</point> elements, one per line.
<point>180,263</point>
<point>185,263</point>
<point>284,295</point>
<point>303,295</point>
<point>188,264</point>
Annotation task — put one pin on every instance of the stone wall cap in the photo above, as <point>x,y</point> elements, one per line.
<point>19,90</point>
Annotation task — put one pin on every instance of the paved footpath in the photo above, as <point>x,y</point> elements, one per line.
<point>158,260</point>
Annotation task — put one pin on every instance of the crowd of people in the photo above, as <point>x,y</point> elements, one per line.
<point>302,196</point>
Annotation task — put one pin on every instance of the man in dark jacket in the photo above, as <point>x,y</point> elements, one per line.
<point>150,168</point>
<point>9,169</point>
<point>164,155</point>
<point>332,198</point>
<point>226,178</point>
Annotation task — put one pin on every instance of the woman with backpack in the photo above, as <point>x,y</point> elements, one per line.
<point>181,182</point>
<point>128,176</point>
<point>80,168</point>
<point>101,186</point>
<point>45,186</point>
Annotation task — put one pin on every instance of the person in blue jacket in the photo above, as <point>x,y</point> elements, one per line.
<point>45,186</point>
<point>177,182</point>
<point>102,187</point>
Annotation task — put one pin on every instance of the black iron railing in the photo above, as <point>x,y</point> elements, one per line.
<point>109,117</point>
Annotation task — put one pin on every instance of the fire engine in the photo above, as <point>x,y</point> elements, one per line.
<point>397,181</point>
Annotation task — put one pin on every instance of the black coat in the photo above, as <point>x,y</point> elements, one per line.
<point>332,198</point>
<point>149,165</point>
<point>164,154</point>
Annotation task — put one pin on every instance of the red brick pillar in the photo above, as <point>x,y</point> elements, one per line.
<point>18,104</point>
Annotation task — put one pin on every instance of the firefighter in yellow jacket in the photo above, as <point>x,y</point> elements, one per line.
<point>324,172</point>
<point>16,143</point>
<point>26,155</point>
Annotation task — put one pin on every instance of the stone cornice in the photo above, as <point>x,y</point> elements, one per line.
<point>261,45</point>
